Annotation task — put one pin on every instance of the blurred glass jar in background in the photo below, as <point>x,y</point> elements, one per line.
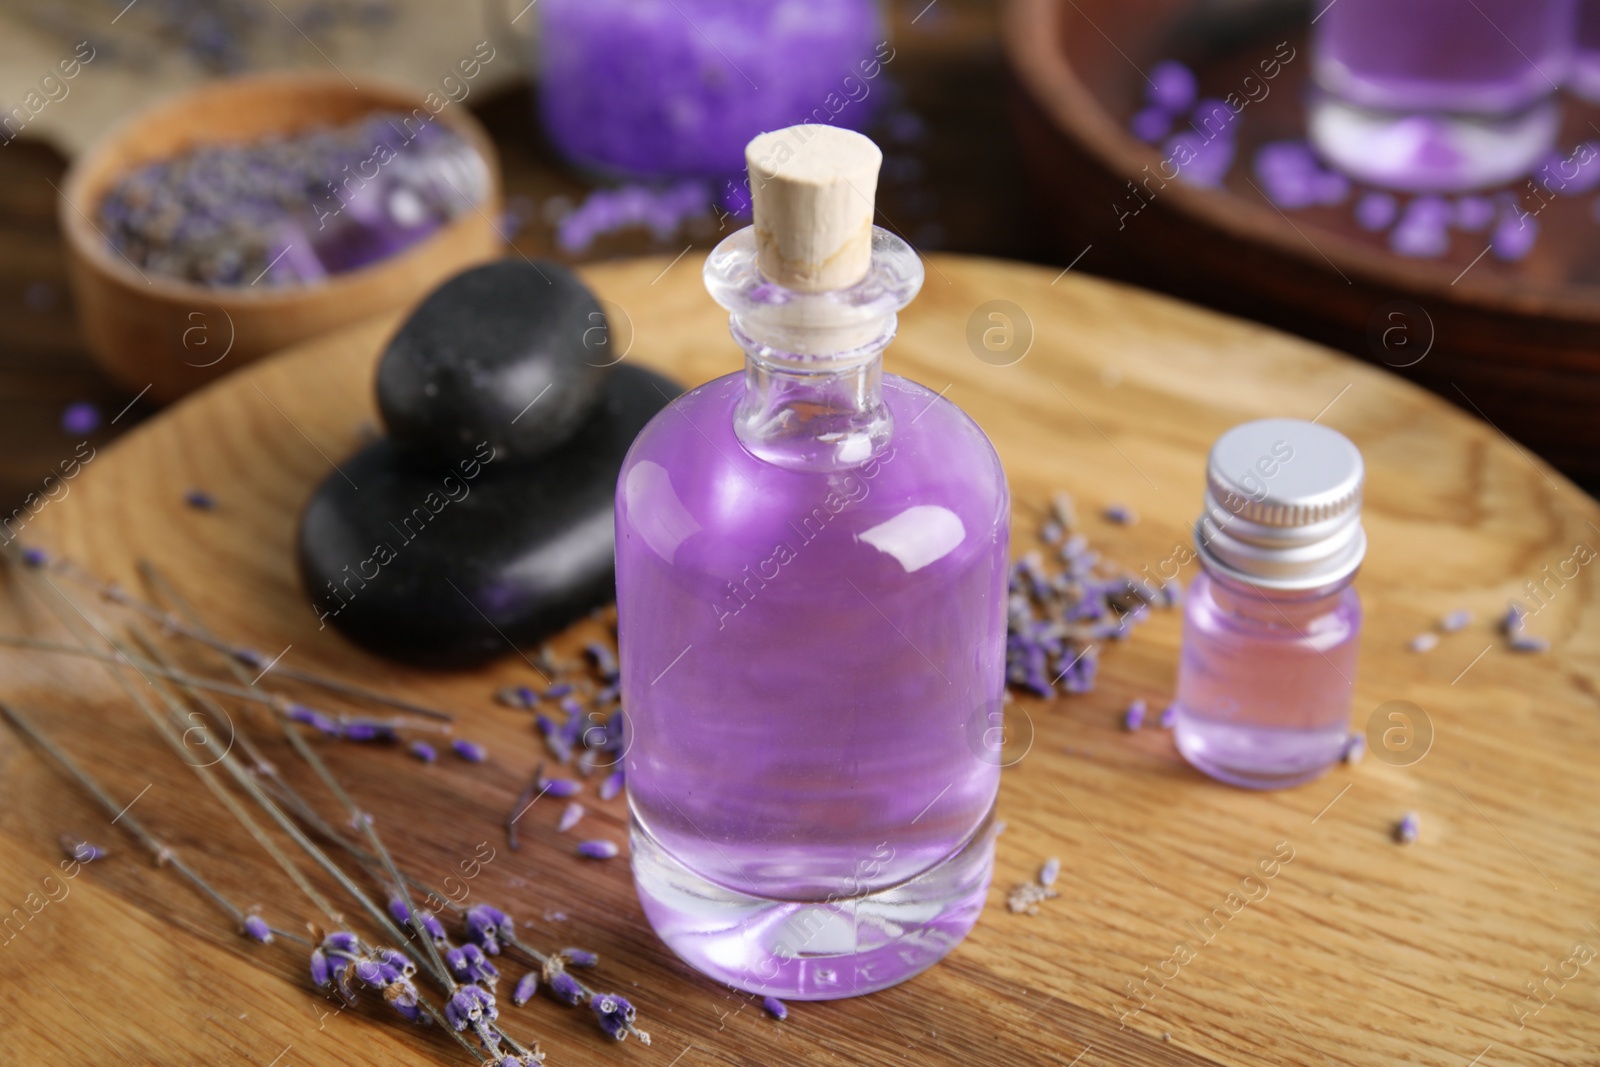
<point>1439,95</point>
<point>677,88</point>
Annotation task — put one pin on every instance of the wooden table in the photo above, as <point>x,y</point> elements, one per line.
<point>1362,951</point>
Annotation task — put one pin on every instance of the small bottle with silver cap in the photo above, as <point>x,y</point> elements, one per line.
<point>1271,623</point>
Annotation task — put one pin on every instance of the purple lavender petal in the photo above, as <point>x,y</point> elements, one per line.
<point>598,850</point>
<point>1405,831</point>
<point>468,1005</point>
<point>1121,514</point>
<point>613,1013</point>
<point>320,973</point>
<point>612,785</point>
<point>775,1008</point>
<point>35,557</point>
<point>1133,718</point>
<point>256,927</point>
<point>580,957</point>
<point>423,751</point>
<point>561,788</point>
<point>78,849</point>
<point>525,988</point>
<point>559,690</point>
<point>470,751</point>
<point>1426,641</point>
<point>570,817</point>
<point>1459,619</point>
<point>1355,747</point>
<point>565,988</point>
<point>1172,86</point>
<point>1049,872</point>
<point>1376,211</point>
<point>1530,643</point>
<point>200,500</point>
<point>80,419</point>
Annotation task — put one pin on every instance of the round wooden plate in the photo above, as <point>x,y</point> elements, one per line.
<point>1357,947</point>
<point>1515,341</point>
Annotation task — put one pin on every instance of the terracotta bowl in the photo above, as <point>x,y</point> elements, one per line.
<point>1515,343</point>
<point>172,336</point>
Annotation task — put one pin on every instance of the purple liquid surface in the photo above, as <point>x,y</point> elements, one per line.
<point>678,89</point>
<point>810,659</point>
<point>1443,55</point>
<point>1265,681</point>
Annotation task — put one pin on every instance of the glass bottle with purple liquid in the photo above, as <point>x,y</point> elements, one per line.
<point>1271,624</point>
<point>1438,95</point>
<point>811,566</point>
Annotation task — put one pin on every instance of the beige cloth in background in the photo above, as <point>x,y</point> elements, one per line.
<point>137,61</point>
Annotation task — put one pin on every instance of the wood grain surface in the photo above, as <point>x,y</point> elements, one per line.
<point>1361,951</point>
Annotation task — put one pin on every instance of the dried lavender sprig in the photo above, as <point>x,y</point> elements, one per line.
<point>277,703</point>
<point>163,853</point>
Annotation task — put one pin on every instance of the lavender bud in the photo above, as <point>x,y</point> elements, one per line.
<point>1511,621</point>
<point>1049,872</point>
<point>249,657</point>
<point>561,788</point>
<point>1133,718</point>
<point>580,957</point>
<point>565,988</point>
<point>612,785</point>
<point>35,557</point>
<point>598,850</point>
<point>468,1005</point>
<point>256,927</point>
<point>470,751</point>
<point>1529,643</point>
<point>1121,514</point>
<point>78,849</point>
<point>1355,747</point>
<point>1456,620</point>
<point>1426,641</point>
<point>200,500</point>
<point>517,696</point>
<point>570,817</point>
<point>319,968</point>
<point>431,925</point>
<point>526,987</point>
<point>613,1013</point>
<point>423,751</point>
<point>775,1008</point>
<point>556,692</point>
<point>1405,831</point>
<point>488,927</point>
<point>1169,717</point>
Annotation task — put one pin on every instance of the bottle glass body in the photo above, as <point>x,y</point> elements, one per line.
<point>1439,95</point>
<point>810,590</point>
<point>1266,679</point>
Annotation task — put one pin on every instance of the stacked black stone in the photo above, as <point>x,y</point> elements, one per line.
<point>484,521</point>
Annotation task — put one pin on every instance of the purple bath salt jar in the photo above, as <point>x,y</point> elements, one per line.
<point>676,88</point>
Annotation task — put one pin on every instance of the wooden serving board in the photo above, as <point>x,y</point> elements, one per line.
<point>1362,951</point>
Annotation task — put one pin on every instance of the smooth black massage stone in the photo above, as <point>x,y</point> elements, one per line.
<point>512,352</point>
<point>453,562</point>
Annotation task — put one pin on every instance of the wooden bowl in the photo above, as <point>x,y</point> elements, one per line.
<point>172,336</point>
<point>1518,344</point>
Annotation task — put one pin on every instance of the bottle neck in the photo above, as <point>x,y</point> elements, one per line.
<point>813,419</point>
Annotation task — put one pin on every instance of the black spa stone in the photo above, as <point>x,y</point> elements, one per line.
<point>452,562</point>
<point>512,352</point>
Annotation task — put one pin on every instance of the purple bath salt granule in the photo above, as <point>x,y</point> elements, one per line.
<point>1172,86</point>
<point>1293,177</point>
<point>1200,161</point>
<point>1405,831</point>
<point>1473,214</point>
<point>1573,174</point>
<point>1514,236</point>
<point>1376,211</point>
<point>1151,124</point>
<point>1133,718</point>
<point>1423,231</point>
<point>80,419</point>
<point>598,850</point>
<point>775,1008</point>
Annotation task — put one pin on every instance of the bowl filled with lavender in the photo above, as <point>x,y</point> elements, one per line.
<point>254,213</point>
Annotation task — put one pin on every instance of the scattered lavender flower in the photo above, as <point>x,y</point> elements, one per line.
<point>469,964</point>
<point>775,1008</point>
<point>570,817</point>
<point>1587,178</point>
<point>564,987</point>
<point>1025,898</point>
<point>1456,620</point>
<point>598,850</point>
<point>35,557</point>
<point>1121,514</point>
<point>1405,831</point>
<point>1473,214</point>
<point>312,718</point>
<point>1169,717</point>
<point>559,690</point>
<point>560,788</point>
<point>1049,872</point>
<point>367,730</point>
<point>80,419</point>
<point>1151,124</point>
<point>1133,718</point>
<point>1426,641</point>
<point>1423,231</point>
<point>489,928</point>
<point>1512,620</point>
<point>470,751</point>
<point>612,785</point>
<point>609,210</point>
<point>517,696</point>
<point>525,988</point>
<point>423,751</point>
<point>1355,747</point>
<point>468,1005</point>
<point>1376,212</point>
<point>200,500</point>
<point>78,849</point>
<point>1514,237</point>
<point>256,928</point>
<point>579,957</point>
<point>1172,86</point>
<point>1529,643</point>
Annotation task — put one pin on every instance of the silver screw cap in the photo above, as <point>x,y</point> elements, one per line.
<point>1283,505</point>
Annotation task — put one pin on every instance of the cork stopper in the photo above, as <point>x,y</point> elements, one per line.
<point>812,189</point>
